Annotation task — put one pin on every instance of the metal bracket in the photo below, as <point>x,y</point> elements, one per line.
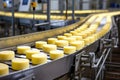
<point>75,73</point>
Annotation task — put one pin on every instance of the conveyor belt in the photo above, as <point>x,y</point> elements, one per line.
<point>50,70</point>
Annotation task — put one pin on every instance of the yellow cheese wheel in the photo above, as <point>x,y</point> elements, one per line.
<point>92,38</point>
<point>62,43</point>
<point>56,54</point>
<point>7,55</point>
<point>78,44</point>
<point>67,34</point>
<point>61,37</point>
<point>52,40</point>
<point>87,41</point>
<point>39,58</point>
<point>39,44</point>
<point>4,69</point>
<point>20,64</point>
<point>29,53</point>
<point>73,32</point>
<point>22,49</point>
<point>70,39</point>
<point>77,37</point>
<point>49,47</point>
<point>69,49</point>
<point>82,34</point>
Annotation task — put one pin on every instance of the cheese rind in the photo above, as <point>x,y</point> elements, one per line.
<point>7,55</point>
<point>56,54</point>
<point>39,44</point>
<point>69,49</point>
<point>4,69</point>
<point>20,64</point>
<point>39,58</point>
<point>22,49</point>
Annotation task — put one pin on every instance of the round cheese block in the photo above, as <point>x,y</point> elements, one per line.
<point>7,55</point>
<point>22,49</point>
<point>61,37</point>
<point>39,58</point>
<point>78,44</point>
<point>83,35</point>
<point>77,37</point>
<point>56,54</point>
<point>52,40</point>
<point>62,43</point>
<point>67,34</point>
<point>87,41</point>
<point>39,44</point>
<point>70,39</point>
<point>29,53</point>
<point>4,69</point>
<point>49,47</point>
<point>69,49</point>
<point>20,64</point>
<point>73,32</point>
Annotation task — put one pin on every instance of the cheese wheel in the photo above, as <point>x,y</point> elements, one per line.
<point>39,44</point>
<point>39,58</point>
<point>87,41</point>
<point>61,37</point>
<point>69,49</point>
<point>49,47</point>
<point>20,64</point>
<point>73,32</point>
<point>56,54</point>
<point>67,34</point>
<point>22,49</point>
<point>78,44</point>
<point>62,43</point>
<point>77,37</point>
<point>7,55</point>
<point>82,34</point>
<point>52,40</point>
<point>29,53</point>
<point>4,69</point>
<point>70,39</point>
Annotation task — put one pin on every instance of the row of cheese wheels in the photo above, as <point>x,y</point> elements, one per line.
<point>70,42</point>
<point>19,64</point>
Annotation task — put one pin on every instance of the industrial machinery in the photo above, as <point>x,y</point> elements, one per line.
<point>87,62</point>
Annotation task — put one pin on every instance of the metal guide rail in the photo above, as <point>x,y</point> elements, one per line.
<point>53,68</point>
<point>44,17</point>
